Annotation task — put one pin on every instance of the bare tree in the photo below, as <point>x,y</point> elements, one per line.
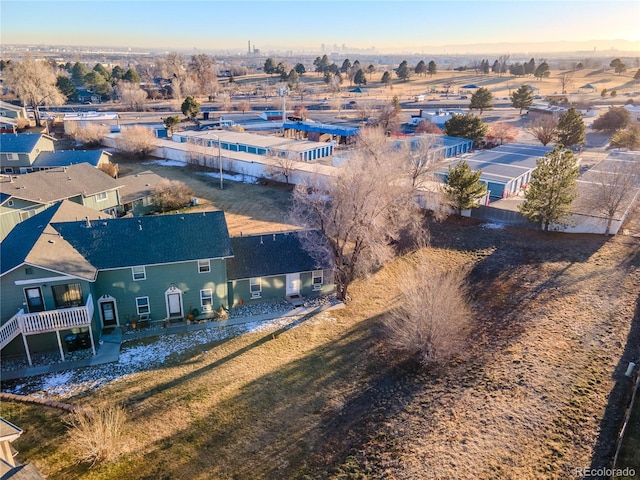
<point>360,212</point>
<point>282,166</point>
<point>201,69</point>
<point>90,135</point>
<point>335,103</point>
<point>544,128</point>
<point>427,126</point>
<point>137,140</point>
<point>174,65</point>
<point>565,79</point>
<point>34,83</point>
<point>433,318</point>
<point>190,87</point>
<point>610,187</point>
<point>171,195</point>
<point>131,94</point>
<point>389,118</point>
<point>422,155</point>
<point>244,106</point>
<point>503,131</point>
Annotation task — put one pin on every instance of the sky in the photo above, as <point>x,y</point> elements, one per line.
<point>301,25</point>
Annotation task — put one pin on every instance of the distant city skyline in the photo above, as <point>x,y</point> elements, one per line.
<point>298,26</point>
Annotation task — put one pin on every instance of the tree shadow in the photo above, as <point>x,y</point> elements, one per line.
<point>619,399</point>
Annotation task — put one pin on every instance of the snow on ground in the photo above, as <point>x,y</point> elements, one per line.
<point>135,357</point>
<point>235,177</point>
<point>493,226</point>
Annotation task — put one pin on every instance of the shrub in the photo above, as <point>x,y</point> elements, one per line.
<point>431,322</point>
<point>98,435</point>
<point>172,195</point>
<point>137,140</point>
<point>110,169</point>
<point>90,135</point>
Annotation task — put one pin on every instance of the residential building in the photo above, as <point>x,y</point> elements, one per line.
<point>23,196</point>
<point>19,150</point>
<point>136,194</point>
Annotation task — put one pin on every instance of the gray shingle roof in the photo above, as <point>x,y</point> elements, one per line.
<point>272,254</point>
<point>139,185</point>
<point>35,242</point>
<point>64,158</point>
<point>58,184</point>
<point>127,242</point>
<point>18,142</point>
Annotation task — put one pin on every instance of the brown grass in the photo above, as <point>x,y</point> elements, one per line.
<point>327,398</point>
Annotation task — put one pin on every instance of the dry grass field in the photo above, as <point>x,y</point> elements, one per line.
<point>538,393</point>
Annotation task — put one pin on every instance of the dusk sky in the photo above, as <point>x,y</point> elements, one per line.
<point>390,26</point>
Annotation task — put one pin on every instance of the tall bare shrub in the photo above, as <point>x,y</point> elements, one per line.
<point>89,135</point>
<point>171,195</point>
<point>433,318</point>
<point>98,436</point>
<point>136,140</point>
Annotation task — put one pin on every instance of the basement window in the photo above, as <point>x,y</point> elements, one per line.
<point>255,287</point>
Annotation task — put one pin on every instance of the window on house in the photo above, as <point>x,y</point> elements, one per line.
<point>10,203</point>
<point>139,273</point>
<point>8,170</point>
<point>206,298</point>
<point>142,305</point>
<point>255,287</point>
<point>67,296</point>
<point>26,215</point>
<point>12,156</point>
<point>316,279</point>
<point>204,266</point>
<point>35,302</point>
<point>101,197</point>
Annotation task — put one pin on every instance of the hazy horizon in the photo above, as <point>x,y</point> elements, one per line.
<point>454,27</point>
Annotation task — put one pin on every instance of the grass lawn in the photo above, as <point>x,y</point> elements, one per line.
<point>326,399</point>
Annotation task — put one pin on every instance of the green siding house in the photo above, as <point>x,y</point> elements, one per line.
<point>276,266</point>
<point>20,150</point>
<point>69,268</point>
<point>23,196</point>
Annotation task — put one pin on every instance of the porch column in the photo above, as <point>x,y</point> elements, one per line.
<point>93,345</point>
<point>26,349</point>
<point>60,345</point>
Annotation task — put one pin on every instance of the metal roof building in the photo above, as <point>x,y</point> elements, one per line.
<point>505,169</point>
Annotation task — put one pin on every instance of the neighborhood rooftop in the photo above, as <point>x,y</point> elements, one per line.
<point>151,240</point>
<point>63,158</point>
<point>57,184</point>
<point>19,142</point>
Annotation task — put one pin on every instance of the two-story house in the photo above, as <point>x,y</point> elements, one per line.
<point>18,151</point>
<point>68,268</point>
<point>23,196</point>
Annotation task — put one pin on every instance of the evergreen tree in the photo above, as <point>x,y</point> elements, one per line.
<point>552,189</point>
<point>346,65</point>
<point>269,66</point>
<point>65,85</point>
<point>463,187</point>
<point>484,67</point>
<point>614,119</point>
<point>530,67</point>
<point>517,69</point>
<point>421,68</point>
<point>432,68</point>
<point>190,107</point>
<point>522,98</point>
<point>627,138</point>
<point>466,126</point>
<point>481,100</point>
<point>496,67</point>
<point>386,78</point>
<point>77,73</point>
<point>571,130</point>
<point>102,71</point>
<point>542,71</point>
<point>618,66</point>
<point>117,73</point>
<point>171,122</point>
<point>300,70</point>
<point>131,76</point>
<point>403,71</point>
<point>360,78</point>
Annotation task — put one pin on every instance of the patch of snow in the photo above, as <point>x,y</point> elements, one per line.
<point>235,177</point>
<point>493,226</point>
<point>165,163</point>
<point>136,356</point>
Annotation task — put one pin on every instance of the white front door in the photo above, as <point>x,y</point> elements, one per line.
<point>293,284</point>
<point>174,302</point>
